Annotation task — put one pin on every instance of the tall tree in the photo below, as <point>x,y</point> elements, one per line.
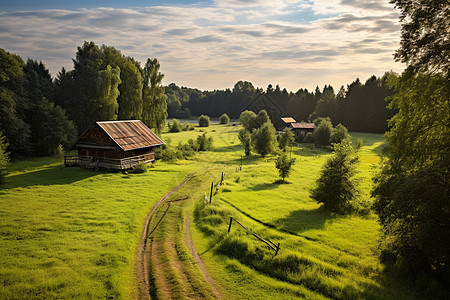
<point>107,86</point>
<point>154,111</point>
<point>425,32</point>
<point>12,102</point>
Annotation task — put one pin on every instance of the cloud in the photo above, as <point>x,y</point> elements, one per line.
<point>239,40</point>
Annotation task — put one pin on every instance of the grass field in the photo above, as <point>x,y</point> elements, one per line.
<point>73,233</point>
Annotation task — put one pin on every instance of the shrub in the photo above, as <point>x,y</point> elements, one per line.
<point>4,157</point>
<point>224,119</point>
<point>284,164</point>
<point>175,126</point>
<point>339,134</point>
<point>59,153</point>
<point>140,168</point>
<point>166,153</point>
<point>322,133</point>
<point>246,140</point>
<point>336,187</point>
<point>286,139</point>
<point>204,143</point>
<point>264,140</point>
<point>203,121</point>
<point>187,127</point>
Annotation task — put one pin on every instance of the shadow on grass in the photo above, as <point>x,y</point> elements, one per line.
<point>264,186</point>
<point>301,220</point>
<point>54,175</point>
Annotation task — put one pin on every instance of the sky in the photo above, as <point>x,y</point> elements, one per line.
<point>212,44</point>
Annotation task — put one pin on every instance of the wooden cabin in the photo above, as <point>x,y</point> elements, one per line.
<point>301,129</point>
<point>118,145</point>
<point>283,123</point>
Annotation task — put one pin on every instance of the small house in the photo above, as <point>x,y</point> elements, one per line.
<point>301,129</point>
<point>283,123</point>
<point>118,145</point>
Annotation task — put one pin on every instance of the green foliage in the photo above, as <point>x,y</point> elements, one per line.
<point>224,119</point>
<point>264,140</point>
<point>203,121</point>
<point>336,187</point>
<point>322,133</point>
<point>284,165</point>
<point>339,134</point>
<point>327,105</point>
<point>4,157</point>
<point>140,168</point>
<point>286,139</point>
<point>204,143</point>
<point>59,153</point>
<point>187,127</point>
<point>154,111</point>
<point>248,120</point>
<point>107,85</point>
<point>246,140</point>
<point>424,31</point>
<point>412,189</point>
<point>175,126</point>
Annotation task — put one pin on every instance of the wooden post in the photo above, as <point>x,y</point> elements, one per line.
<point>206,197</point>
<point>241,162</point>
<point>221,181</point>
<point>229,227</point>
<point>210,194</point>
<point>278,248</point>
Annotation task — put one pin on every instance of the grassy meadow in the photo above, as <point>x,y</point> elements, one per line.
<point>73,233</point>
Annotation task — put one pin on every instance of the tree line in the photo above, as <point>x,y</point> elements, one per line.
<point>360,107</point>
<point>38,113</point>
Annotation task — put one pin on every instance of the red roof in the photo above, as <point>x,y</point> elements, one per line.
<point>303,125</point>
<point>288,120</point>
<point>130,134</point>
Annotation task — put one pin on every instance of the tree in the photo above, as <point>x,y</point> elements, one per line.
<point>154,111</point>
<point>286,139</point>
<point>4,157</point>
<point>12,103</point>
<point>425,32</point>
<point>107,86</point>
<point>336,187</point>
<point>175,126</point>
<point>246,140</point>
<point>264,139</point>
<point>203,121</point>
<point>322,133</point>
<point>284,165</point>
<point>224,119</point>
<point>248,120</point>
<point>339,134</point>
<point>204,143</point>
<point>412,190</point>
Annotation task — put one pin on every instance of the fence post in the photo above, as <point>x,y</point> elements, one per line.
<point>210,194</point>
<point>278,248</point>
<point>229,227</point>
<point>221,181</point>
<point>241,162</point>
<point>206,197</point>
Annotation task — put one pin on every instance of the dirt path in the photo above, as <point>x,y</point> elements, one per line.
<point>198,260</point>
<point>142,261</point>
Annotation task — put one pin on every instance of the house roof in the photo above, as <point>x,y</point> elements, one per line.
<point>302,125</point>
<point>288,120</point>
<point>130,134</point>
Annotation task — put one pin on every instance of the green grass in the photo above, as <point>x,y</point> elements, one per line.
<point>73,233</point>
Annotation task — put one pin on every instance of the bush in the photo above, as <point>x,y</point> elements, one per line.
<point>284,164</point>
<point>224,119</point>
<point>187,127</point>
<point>339,134</point>
<point>322,133</point>
<point>246,140</point>
<point>336,187</point>
<point>264,139</point>
<point>59,153</point>
<point>4,157</point>
<point>204,143</point>
<point>140,168</point>
<point>175,126</point>
<point>286,139</point>
<point>203,121</point>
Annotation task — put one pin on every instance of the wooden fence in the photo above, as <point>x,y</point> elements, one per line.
<point>107,163</point>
